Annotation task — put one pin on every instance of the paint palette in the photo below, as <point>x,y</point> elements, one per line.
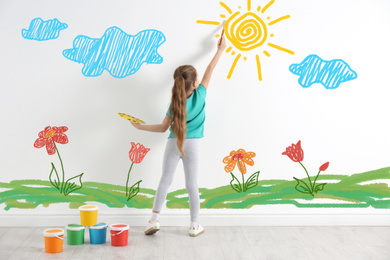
<point>131,118</point>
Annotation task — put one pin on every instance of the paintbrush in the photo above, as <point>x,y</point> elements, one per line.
<point>223,30</point>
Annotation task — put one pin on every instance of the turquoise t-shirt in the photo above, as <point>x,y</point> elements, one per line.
<point>195,113</point>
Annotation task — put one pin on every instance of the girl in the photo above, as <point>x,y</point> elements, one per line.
<point>185,117</point>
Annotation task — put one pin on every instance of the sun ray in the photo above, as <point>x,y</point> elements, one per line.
<point>249,5</point>
<point>258,68</point>
<point>222,16</point>
<point>226,7</point>
<point>279,19</point>
<point>233,52</point>
<point>267,53</point>
<point>233,66</point>
<point>280,48</point>
<point>228,49</point>
<point>267,6</point>
<point>208,22</point>
<point>258,8</point>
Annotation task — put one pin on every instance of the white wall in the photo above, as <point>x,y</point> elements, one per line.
<point>346,126</point>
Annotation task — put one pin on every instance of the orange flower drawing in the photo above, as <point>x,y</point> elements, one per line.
<point>240,158</point>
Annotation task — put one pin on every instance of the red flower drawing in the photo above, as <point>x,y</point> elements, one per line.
<point>294,152</point>
<point>137,152</point>
<point>324,166</point>
<point>50,135</point>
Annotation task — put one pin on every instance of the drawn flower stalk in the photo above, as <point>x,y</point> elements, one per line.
<point>295,153</point>
<point>240,158</point>
<point>137,154</point>
<point>48,138</point>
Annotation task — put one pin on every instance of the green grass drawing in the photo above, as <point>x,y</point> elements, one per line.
<point>342,191</point>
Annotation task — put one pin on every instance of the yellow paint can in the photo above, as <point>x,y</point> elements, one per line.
<point>88,215</point>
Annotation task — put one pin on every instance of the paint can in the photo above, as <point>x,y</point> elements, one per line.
<point>119,234</point>
<point>88,215</point>
<point>75,234</point>
<point>54,240</point>
<point>98,233</point>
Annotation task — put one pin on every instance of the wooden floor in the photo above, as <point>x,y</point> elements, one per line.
<point>216,243</point>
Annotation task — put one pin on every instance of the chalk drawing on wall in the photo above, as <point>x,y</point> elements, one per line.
<point>295,153</point>
<point>240,158</point>
<point>249,29</point>
<point>48,138</point>
<point>137,154</point>
<point>359,190</point>
<point>119,53</point>
<point>41,30</point>
<point>330,74</point>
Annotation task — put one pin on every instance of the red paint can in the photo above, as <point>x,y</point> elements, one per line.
<point>119,234</point>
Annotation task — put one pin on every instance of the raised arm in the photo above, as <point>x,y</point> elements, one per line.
<point>209,70</point>
<point>160,128</point>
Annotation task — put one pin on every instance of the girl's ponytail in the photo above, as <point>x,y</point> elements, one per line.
<point>184,78</point>
<point>179,111</point>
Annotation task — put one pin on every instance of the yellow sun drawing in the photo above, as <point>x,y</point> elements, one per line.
<point>246,30</point>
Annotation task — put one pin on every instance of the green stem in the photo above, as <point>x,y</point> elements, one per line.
<point>311,184</point>
<point>62,167</point>
<point>243,183</point>
<point>127,182</point>
<point>314,183</point>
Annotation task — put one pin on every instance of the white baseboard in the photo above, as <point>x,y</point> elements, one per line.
<point>206,220</point>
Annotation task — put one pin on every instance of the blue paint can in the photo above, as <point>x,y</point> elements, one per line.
<point>98,233</point>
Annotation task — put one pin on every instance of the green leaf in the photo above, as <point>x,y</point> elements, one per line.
<point>319,187</point>
<point>70,187</point>
<point>235,186</point>
<point>133,191</point>
<point>252,181</point>
<point>54,182</point>
<point>302,187</point>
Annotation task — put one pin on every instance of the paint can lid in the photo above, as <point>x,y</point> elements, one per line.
<point>75,227</point>
<point>88,208</point>
<point>119,227</point>
<point>53,232</point>
<point>99,226</point>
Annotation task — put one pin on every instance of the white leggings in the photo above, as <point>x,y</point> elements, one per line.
<point>172,156</point>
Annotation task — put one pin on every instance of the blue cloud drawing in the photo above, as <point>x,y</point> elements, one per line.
<point>41,30</point>
<point>119,53</point>
<point>330,74</point>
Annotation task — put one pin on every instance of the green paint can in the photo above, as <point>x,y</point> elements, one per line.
<point>75,234</point>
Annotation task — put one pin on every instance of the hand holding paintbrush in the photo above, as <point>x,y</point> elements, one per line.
<point>222,39</point>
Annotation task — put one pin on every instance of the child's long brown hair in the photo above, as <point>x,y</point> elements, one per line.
<point>184,78</point>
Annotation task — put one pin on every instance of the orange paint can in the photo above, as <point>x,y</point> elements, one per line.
<point>54,240</point>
